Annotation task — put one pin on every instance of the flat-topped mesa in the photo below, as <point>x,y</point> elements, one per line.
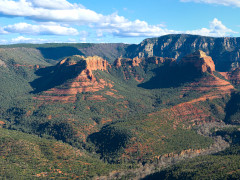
<point>200,61</point>
<point>77,74</point>
<point>91,63</point>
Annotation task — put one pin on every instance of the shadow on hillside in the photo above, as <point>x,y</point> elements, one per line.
<point>167,77</point>
<point>159,175</point>
<point>57,53</point>
<point>233,109</point>
<point>109,141</point>
<point>53,76</point>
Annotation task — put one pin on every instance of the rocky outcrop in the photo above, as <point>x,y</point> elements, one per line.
<point>118,62</point>
<point>127,62</point>
<point>136,61</point>
<point>233,76</point>
<point>137,68</point>
<point>224,51</point>
<point>200,61</point>
<point>84,81</point>
<point>92,62</point>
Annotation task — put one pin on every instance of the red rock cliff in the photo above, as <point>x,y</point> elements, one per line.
<point>200,61</point>
<point>233,76</point>
<point>84,81</point>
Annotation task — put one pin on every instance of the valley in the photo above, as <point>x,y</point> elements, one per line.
<point>105,111</point>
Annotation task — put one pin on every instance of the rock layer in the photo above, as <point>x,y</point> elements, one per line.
<point>224,51</point>
<point>84,81</point>
<point>200,61</point>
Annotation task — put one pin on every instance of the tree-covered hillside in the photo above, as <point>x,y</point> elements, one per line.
<point>65,115</point>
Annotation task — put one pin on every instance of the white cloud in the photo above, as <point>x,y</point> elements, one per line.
<point>72,13</point>
<point>49,14</point>
<point>120,26</point>
<point>220,2</point>
<point>3,41</point>
<point>53,4</point>
<point>54,10</point>
<point>24,28</point>
<point>71,40</point>
<point>216,29</point>
<point>22,39</point>
<point>2,31</point>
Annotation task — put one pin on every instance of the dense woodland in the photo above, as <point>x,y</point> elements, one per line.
<point>143,120</point>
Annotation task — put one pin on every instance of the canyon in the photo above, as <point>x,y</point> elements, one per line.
<point>125,107</point>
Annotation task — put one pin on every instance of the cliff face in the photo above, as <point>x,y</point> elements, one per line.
<point>83,80</point>
<point>233,76</point>
<point>200,61</point>
<point>224,51</point>
<point>139,68</point>
<point>136,61</point>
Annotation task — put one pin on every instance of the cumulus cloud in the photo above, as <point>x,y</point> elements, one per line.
<point>2,31</point>
<point>216,29</point>
<point>54,10</point>
<point>120,26</point>
<point>63,11</point>
<point>235,3</point>
<point>53,4</point>
<point>24,28</point>
<point>3,41</point>
<point>21,39</point>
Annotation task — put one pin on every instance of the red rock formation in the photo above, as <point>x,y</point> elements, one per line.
<point>233,76</point>
<point>96,63</point>
<point>117,63</point>
<point>136,61</point>
<point>200,61</point>
<point>2,124</point>
<point>84,82</point>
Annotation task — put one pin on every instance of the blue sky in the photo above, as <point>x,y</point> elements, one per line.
<point>127,21</point>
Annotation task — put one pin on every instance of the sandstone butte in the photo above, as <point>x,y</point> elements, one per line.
<point>200,61</point>
<point>84,82</point>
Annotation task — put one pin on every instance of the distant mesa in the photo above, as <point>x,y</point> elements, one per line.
<point>200,61</point>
